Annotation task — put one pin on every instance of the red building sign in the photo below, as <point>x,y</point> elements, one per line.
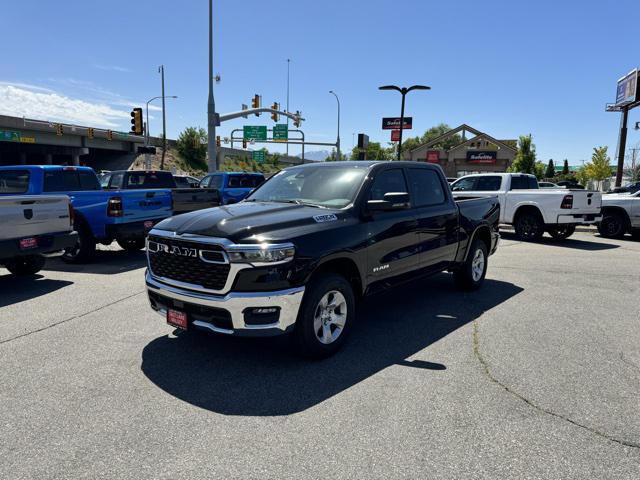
<point>433,156</point>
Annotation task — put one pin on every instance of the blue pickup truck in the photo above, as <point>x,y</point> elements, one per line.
<point>232,186</point>
<point>101,216</point>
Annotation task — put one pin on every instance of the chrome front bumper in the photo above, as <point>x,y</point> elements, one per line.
<point>236,303</point>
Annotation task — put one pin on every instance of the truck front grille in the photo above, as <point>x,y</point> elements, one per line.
<point>182,261</point>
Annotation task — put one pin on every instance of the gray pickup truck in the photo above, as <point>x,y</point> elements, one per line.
<point>33,226</point>
<point>184,199</point>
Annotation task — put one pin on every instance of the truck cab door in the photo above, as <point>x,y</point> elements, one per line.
<point>437,217</point>
<point>393,239</point>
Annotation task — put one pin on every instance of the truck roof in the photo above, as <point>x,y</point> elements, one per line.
<point>44,167</point>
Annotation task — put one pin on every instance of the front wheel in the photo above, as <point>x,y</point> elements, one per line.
<point>325,317</point>
<point>471,274</point>
<point>131,245</point>
<point>26,265</point>
<point>562,232</point>
<point>612,226</point>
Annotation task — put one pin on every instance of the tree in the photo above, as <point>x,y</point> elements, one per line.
<point>374,152</point>
<point>599,168</point>
<point>551,169</point>
<point>433,132</point>
<point>565,167</point>
<point>333,156</point>
<point>539,170</point>
<point>525,159</point>
<point>192,147</point>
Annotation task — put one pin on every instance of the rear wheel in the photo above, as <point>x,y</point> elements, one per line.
<point>562,232</point>
<point>613,225</point>
<point>131,245</point>
<point>25,265</point>
<point>471,275</point>
<point>84,248</point>
<point>529,226</point>
<point>325,317</point>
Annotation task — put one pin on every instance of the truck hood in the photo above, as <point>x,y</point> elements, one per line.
<point>249,221</point>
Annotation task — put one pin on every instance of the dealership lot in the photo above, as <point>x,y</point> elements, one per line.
<point>537,375</point>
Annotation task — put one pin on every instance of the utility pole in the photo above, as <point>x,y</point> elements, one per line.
<point>211,106</point>
<point>164,122</point>
<point>288,63</point>
<point>338,156</point>
<point>622,146</point>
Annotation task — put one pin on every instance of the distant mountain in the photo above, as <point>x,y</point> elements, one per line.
<point>317,155</point>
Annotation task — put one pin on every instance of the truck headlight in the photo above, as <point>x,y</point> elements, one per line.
<point>262,253</point>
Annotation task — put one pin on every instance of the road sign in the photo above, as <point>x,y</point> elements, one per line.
<point>254,132</point>
<point>393,123</point>
<point>259,155</point>
<point>395,135</point>
<point>9,136</point>
<point>27,139</point>
<point>280,132</point>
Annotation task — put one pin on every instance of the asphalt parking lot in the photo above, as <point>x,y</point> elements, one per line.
<point>537,375</point>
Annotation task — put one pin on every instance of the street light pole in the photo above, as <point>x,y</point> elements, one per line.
<point>147,114</point>
<point>164,121</point>
<point>403,91</point>
<point>288,63</point>
<point>211,106</point>
<point>338,156</point>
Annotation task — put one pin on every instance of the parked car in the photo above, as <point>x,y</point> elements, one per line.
<point>33,226</point>
<point>549,185</point>
<point>184,199</point>
<point>450,180</point>
<point>620,215</point>
<point>99,216</point>
<point>571,184</point>
<point>530,209</point>
<point>306,246</point>
<point>233,186</point>
<point>186,181</point>
<point>631,188</point>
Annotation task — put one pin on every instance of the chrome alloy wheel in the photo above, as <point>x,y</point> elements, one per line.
<point>330,317</point>
<point>477,265</point>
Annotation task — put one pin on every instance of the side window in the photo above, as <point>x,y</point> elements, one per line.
<point>61,181</point>
<point>533,183</point>
<point>464,184</point>
<point>426,187</point>
<point>523,182</point>
<point>205,182</point>
<point>488,184</point>
<point>116,180</point>
<point>104,181</point>
<point>234,182</point>
<point>386,182</point>
<point>216,181</point>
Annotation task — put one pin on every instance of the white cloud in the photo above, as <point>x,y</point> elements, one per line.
<point>111,68</point>
<point>35,102</point>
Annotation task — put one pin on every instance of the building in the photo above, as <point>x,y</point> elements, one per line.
<point>459,155</point>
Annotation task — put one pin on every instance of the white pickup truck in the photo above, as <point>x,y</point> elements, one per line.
<point>620,214</point>
<point>532,210</point>
<point>33,227</point>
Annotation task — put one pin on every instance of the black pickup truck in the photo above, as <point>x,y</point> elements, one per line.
<point>305,247</point>
<point>185,199</point>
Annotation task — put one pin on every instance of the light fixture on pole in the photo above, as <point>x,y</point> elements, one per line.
<point>403,91</point>
<point>338,156</point>
<point>147,114</point>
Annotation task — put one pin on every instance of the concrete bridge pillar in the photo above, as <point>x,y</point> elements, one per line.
<point>75,159</point>
<point>48,159</point>
<point>23,158</point>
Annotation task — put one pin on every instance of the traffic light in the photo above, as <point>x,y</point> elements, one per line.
<point>136,121</point>
<point>59,130</point>
<point>90,132</point>
<point>244,143</point>
<point>109,135</point>
<point>297,121</point>
<point>255,103</point>
<point>275,116</point>
<point>218,141</point>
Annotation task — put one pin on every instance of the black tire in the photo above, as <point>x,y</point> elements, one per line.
<point>562,232</point>
<point>84,248</point>
<point>131,245</point>
<point>307,339</point>
<point>613,225</point>
<point>635,234</point>
<point>25,265</point>
<point>468,277</point>
<point>529,226</point>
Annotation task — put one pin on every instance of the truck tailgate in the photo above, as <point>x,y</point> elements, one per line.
<point>144,204</point>
<point>585,201</point>
<point>31,215</point>
<point>190,199</point>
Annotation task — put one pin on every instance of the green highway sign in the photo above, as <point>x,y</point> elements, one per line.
<point>9,136</point>
<point>254,132</point>
<point>280,132</point>
<point>259,155</point>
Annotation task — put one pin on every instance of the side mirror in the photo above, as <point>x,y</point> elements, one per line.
<point>390,201</point>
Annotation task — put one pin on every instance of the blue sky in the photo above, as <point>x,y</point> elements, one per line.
<point>504,67</point>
